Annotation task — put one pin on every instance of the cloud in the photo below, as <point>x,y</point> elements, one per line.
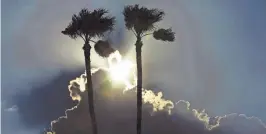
<point>12,109</point>
<point>11,121</point>
<point>116,114</point>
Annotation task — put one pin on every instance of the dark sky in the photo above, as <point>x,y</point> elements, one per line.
<point>217,62</point>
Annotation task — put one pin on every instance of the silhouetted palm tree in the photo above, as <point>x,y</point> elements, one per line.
<point>88,25</point>
<point>141,21</point>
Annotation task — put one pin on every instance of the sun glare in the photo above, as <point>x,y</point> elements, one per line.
<point>121,70</point>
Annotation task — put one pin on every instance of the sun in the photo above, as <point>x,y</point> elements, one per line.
<point>120,71</point>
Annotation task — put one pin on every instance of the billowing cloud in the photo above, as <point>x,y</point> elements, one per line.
<point>116,114</point>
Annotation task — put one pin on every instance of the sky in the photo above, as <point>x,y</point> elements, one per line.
<point>216,63</point>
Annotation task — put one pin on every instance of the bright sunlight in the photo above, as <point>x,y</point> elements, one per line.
<point>120,70</point>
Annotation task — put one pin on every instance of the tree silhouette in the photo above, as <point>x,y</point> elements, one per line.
<point>88,25</point>
<point>141,21</point>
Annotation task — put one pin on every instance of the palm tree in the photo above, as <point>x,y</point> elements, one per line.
<point>88,25</point>
<point>141,21</point>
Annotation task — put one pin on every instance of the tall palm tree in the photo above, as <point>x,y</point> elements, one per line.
<point>141,21</point>
<point>87,25</point>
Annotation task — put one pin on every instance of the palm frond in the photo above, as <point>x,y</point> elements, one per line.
<point>164,35</point>
<point>103,25</point>
<point>141,19</point>
<point>72,29</point>
<point>103,48</point>
<point>100,12</point>
<point>92,24</point>
<point>130,14</point>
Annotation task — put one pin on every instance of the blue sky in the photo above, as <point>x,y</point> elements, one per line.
<point>217,61</point>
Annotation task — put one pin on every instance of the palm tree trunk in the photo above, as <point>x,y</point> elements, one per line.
<point>139,84</point>
<point>89,86</point>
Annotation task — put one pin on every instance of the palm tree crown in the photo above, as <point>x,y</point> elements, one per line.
<point>142,20</point>
<point>89,24</point>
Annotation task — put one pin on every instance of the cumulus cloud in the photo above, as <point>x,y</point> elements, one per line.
<point>12,109</point>
<point>116,114</point>
<point>77,85</point>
